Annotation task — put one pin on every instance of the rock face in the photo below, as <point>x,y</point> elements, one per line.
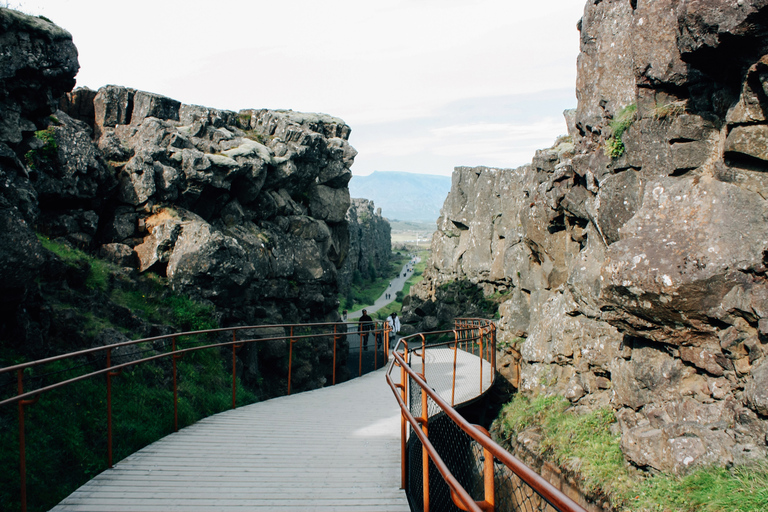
<point>230,206</point>
<point>370,242</point>
<point>243,210</point>
<point>635,278</point>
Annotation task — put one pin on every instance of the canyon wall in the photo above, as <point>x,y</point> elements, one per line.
<point>630,258</point>
<point>244,211</point>
<point>370,243</point>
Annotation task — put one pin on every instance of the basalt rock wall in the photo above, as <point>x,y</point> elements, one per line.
<point>245,211</point>
<point>632,255</point>
<point>370,243</point>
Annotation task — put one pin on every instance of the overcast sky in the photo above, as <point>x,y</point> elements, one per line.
<point>425,85</point>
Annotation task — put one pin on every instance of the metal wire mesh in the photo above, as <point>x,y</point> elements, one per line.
<point>463,456</point>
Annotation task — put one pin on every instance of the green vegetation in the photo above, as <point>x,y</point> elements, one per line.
<point>46,152</point>
<point>669,110</point>
<point>588,444</point>
<point>149,297</point>
<point>614,146</point>
<point>364,292</point>
<point>66,428</point>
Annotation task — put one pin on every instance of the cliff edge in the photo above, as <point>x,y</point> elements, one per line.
<point>630,258</point>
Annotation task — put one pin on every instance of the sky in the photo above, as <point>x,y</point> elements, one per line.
<point>425,85</point>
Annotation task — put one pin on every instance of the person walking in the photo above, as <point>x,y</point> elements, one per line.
<point>394,326</point>
<point>366,325</point>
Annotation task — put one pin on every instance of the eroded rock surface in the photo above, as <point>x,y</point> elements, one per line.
<point>244,210</point>
<point>635,280</point>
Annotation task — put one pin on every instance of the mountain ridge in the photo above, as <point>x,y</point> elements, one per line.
<point>403,195</point>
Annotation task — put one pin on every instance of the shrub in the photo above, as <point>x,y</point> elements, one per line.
<point>614,146</point>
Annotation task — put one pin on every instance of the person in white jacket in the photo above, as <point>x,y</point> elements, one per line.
<point>394,325</point>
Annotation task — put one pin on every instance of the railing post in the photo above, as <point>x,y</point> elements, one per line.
<point>174,357</point>
<point>480,346</point>
<point>235,346</point>
<point>334,354</point>
<point>290,359</point>
<point>360,363</point>
<point>375,347</point>
<point>455,354</point>
<point>386,340</point>
<point>403,421</point>
<point>424,453</point>
<point>489,474</point>
<point>22,446</point>
<point>109,409</point>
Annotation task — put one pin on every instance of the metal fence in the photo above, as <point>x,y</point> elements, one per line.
<point>356,349</point>
<point>447,463</point>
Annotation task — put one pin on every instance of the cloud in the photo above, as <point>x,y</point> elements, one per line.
<point>500,131</point>
<point>415,79</point>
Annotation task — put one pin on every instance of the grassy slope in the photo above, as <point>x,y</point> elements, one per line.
<point>66,429</point>
<point>588,445</point>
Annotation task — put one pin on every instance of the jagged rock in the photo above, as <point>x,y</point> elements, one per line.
<point>38,63</point>
<point>119,254</point>
<point>750,141</point>
<point>369,236</point>
<point>756,391</point>
<point>637,278</point>
<point>329,204</point>
<point>67,167</point>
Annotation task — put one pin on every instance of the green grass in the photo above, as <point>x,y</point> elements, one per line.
<point>614,145</point>
<point>711,489</point>
<point>365,292</point>
<point>149,296</point>
<point>47,151</point>
<point>66,428</point>
<point>587,445</point>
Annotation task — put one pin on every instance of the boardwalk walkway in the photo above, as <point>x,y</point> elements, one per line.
<point>335,448</point>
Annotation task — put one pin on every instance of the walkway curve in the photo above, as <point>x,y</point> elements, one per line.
<point>331,449</point>
<point>395,286</point>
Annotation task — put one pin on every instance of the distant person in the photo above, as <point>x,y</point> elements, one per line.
<point>344,315</point>
<point>366,325</point>
<point>394,325</point>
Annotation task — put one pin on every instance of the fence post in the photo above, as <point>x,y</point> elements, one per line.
<point>404,391</point>
<point>424,453</point>
<point>455,355</point>
<point>334,353</point>
<point>290,359</point>
<point>109,409</point>
<point>22,446</point>
<point>235,346</point>
<point>360,363</point>
<point>174,357</point>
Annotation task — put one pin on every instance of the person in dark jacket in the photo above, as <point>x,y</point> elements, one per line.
<point>366,326</point>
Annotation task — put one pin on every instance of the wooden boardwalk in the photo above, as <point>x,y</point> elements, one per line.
<point>331,449</point>
<point>336,448</point>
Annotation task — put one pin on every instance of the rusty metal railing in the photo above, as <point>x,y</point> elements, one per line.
<point>448,463</point>
<point>339,332</point>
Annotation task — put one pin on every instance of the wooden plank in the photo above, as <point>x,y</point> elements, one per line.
<point>333,449</point>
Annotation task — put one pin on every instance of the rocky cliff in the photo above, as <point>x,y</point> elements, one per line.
<point>631,257</point>
<point>244,210</point>
<point>370,243</point>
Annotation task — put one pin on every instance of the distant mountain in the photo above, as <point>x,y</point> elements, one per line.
<point>403,195</point>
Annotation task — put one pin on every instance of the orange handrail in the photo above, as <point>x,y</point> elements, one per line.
<point>485,332</point>
<point>28,397</point>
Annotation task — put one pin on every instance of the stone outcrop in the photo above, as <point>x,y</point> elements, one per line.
<point>370,243</point>
<point>229,206</point>
<point>632,255</point>
<point>245,211</point>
